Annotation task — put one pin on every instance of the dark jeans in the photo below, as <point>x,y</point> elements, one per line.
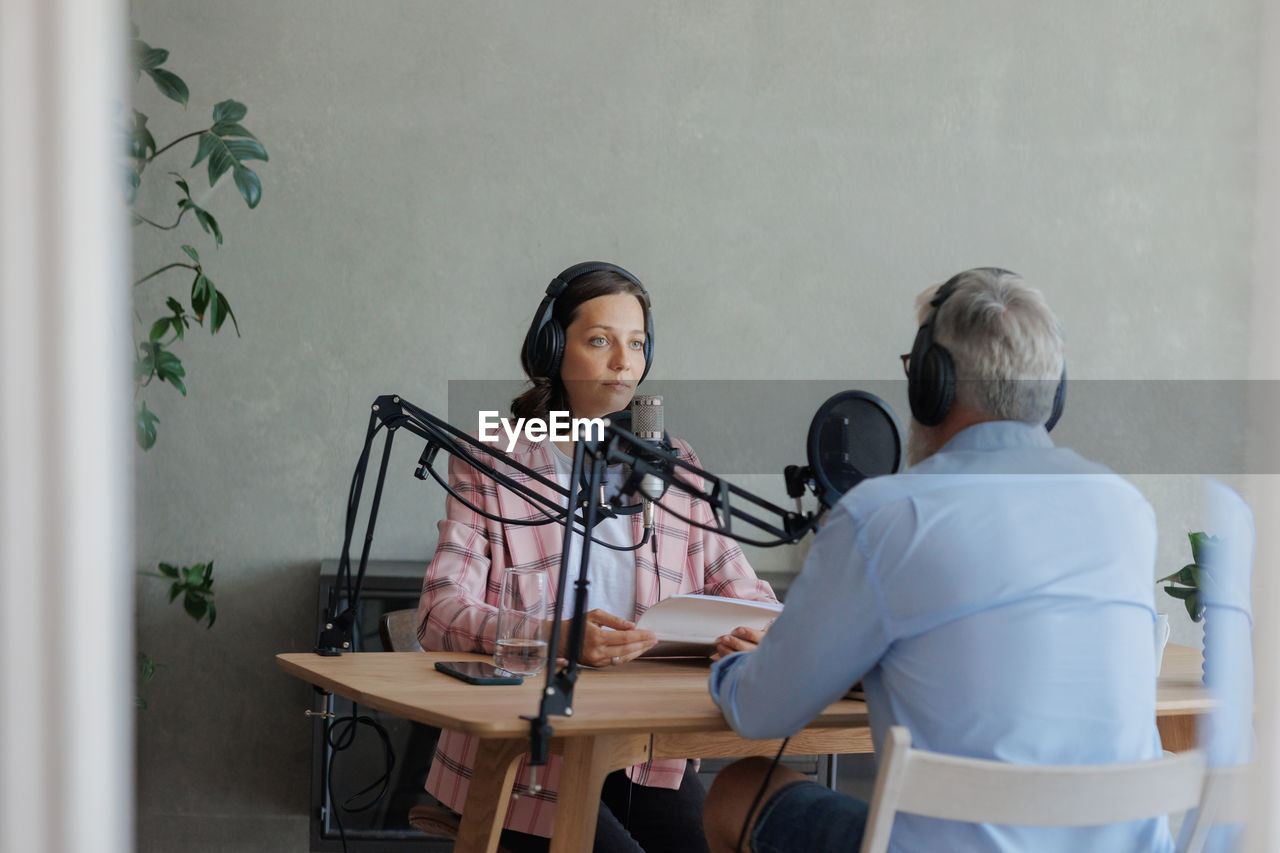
<point>805,817</point>
<point>638,819</point>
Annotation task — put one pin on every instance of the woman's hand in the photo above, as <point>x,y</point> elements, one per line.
<point>609,640</point>
<point>743,639</point>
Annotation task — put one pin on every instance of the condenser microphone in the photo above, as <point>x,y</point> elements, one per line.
<point>647,423</point>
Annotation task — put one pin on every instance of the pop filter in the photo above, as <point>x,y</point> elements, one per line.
<point>853,435</point>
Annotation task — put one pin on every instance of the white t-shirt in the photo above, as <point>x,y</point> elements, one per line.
<point>611,575</point>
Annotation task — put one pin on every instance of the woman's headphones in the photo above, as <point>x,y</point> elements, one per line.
<point>931,375</point>
<point>544,344</point>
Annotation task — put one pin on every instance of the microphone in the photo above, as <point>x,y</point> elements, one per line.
<point>647,423</point>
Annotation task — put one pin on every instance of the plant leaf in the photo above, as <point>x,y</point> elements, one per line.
<point>195,606</point>
<point>182,183</point>
<point>139,137</point>
<point>168,367</point>
<point>229,110</point>
<point>146,668</point>
<point>191,253</point>
<point>249,185</point>
<point>146,57</point>
<point>131,183</point>
<point>221,309</point>
<point>246,149</point>
<point>226,154</point>
<point>1180,592</point>
<point>204,145</point>
<point>145,429</point>
<point>220,159</point>
<point>201,292</point>
<point>175,589</point>
<point>213,613</point>
<point>168,569</point>
<point>230,128</point>
<point>169,84</point>
<point>209,224</point>
<point>226,306</point>
<point>1202,545</point>
<point>159,327</point>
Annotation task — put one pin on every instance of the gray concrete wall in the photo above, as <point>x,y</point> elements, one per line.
<point>784,177</point>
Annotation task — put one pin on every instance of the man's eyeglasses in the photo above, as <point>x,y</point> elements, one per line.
<point>906,363</point>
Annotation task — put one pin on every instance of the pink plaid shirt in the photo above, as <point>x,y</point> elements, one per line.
<point>458,607</point>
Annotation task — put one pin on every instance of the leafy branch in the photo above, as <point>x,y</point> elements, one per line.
<point>225,145</point>
<point>195,585</point>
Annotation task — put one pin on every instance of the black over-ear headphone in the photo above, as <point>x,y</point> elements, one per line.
<point>544,344</point>
<point>931,375</point>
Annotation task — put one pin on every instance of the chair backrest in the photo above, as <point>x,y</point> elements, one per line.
<point>983,791</point>
<point>1225,800</point>
<point>399,630</point>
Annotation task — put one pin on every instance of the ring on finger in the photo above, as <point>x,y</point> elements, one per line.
<point>616,659</point>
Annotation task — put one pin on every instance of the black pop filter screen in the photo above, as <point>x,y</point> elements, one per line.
<point>854,435</point>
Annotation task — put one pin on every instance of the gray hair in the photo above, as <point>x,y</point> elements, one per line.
<point>1005,342</point>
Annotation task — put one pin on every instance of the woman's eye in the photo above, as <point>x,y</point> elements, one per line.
<point>599,341</point>
<point>637,344</point>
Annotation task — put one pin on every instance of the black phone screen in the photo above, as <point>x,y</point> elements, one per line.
<point>477,672</point>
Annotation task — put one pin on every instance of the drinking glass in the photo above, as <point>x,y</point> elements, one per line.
<point>521,643</point>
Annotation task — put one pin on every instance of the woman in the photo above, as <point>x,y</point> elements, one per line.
<point>589,346</point>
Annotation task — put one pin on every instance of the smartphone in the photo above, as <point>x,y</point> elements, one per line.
<point>477,672</point>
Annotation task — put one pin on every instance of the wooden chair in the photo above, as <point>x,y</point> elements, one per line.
<point>982,791</point>
<point>399,632</point>
<point>1225,800</point>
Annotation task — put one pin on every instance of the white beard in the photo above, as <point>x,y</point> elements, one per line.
<point>921,442</point>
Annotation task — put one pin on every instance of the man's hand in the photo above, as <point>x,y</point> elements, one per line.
<point>743,639</point>
<point>608,640</point>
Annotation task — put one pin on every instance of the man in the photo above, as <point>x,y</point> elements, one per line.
<point>996,599</point>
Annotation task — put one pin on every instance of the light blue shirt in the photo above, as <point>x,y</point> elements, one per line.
<point>997,600</point>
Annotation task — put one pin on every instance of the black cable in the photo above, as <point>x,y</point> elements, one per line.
<point>353,508</point>
<point>800,534</point>
<point>340,734</point>
<point>755,804</point>
<point>550,518</point>
<point>656,571</point>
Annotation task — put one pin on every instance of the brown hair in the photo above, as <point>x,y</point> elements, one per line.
<point>548,392</point>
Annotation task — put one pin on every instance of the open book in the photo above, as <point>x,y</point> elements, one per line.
<point>688,625</point>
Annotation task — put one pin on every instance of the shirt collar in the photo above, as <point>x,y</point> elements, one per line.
<point>998,435</point>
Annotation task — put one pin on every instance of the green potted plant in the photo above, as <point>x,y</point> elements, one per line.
<point>1188,582</point>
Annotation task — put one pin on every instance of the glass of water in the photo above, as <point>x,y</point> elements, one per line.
<point>521,643</point>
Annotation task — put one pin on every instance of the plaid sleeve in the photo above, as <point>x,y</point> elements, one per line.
<point>718,559</point>
<point>455,612</point>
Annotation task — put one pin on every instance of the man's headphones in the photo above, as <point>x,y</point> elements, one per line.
<point>544,344</point>
<point>931,375</point>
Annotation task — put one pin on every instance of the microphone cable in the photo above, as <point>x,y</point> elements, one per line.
<point>755,804</point>
<point>759,543</point>
<point>339,735</point>
<point>561,518</point>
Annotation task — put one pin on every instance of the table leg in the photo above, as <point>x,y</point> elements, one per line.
<point>1177,733</point>
<point>489,794</point>
<point>587,760</point>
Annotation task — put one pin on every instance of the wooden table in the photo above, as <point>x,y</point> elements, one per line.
<point>1180,697</point>
<point>621,716</point>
